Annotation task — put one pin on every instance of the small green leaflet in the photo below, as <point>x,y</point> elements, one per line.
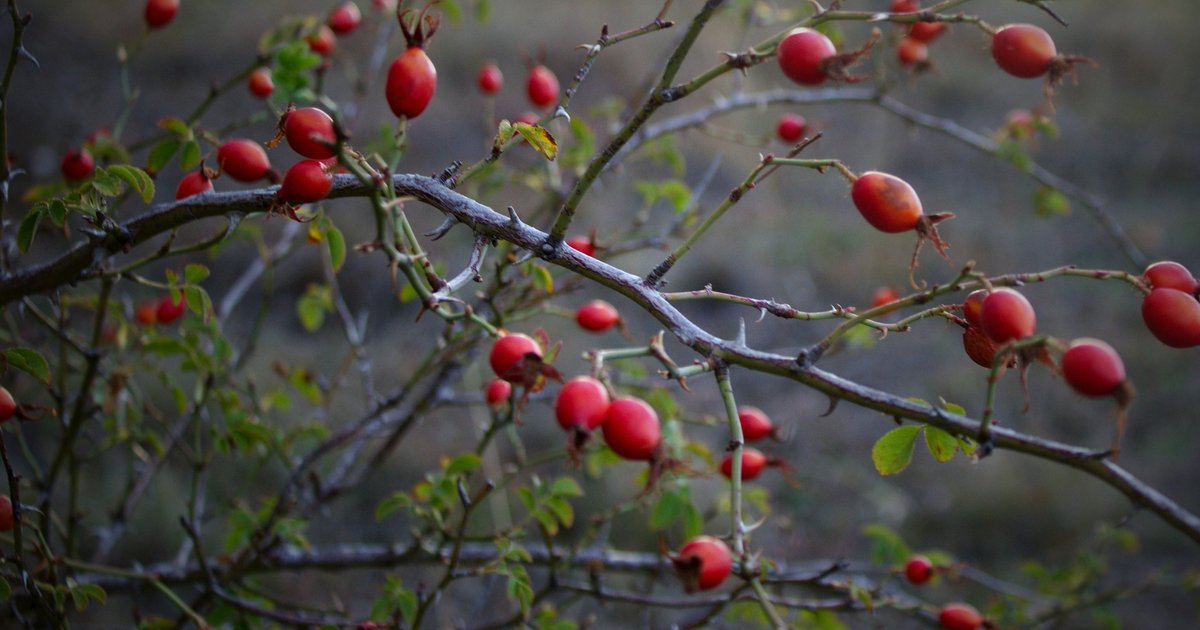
<point>893,452</point>
<point>539,139</point>
<point>29,361</point>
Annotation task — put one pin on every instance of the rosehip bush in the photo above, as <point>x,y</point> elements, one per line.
<point>293,334</point>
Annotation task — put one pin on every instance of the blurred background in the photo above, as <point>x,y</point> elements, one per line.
<point>1128,134</point>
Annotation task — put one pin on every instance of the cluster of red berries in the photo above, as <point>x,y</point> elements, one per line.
<point>756,426</point>
<point>161,311</point>
<point>919,570</point>
<point>912,49</point>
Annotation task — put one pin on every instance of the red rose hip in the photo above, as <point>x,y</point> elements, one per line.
<point>703,563</point>
<point>959,616</point>
<point>1007,316</point>
<point>790,127</point>
<point>309,132</point>
<point>260,82</point>
<point>169,310</point>
<point>1092,368</point>
<point>77,165</point>
<point>918,569</point>
<point>193,183</point>
<point>1171,275</point>
<point>243,160</point>
<point>306,181</point>
<point>497,392</point>
<point>597,316</point>
<point>344,18</point>
<point>6,513</point>
<point>1023,50</point>
<point>755,424</point>
<point>542,87</point>
<point>159,13</point>
<point>1173,317</point>
<point>508,356</point>
<point>8,406</point>
<point>581,403</point>
<point>631,428</point>
<point>490,79</point>
<point>802,53</point>
<point>753,463</point>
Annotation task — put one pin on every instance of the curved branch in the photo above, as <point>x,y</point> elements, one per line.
<point>482,219</point>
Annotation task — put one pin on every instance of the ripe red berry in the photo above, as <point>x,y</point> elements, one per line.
<point>193,183</point>
<point>260,83</point>
<point>582,244</point>
<point>323,41</point>
<point>884,295</point>
<point>305,182</point>
<point>1023,50</point>
<point>1173,316</point>
<point>1007,316</point>
<point>958,616</point>
<point>973,307</point>
<point>753,463</point>
<point>159,13</point>
<point>77,165</point>
<point>1092,367</point>
<point>6,513</point>
<point>887,202</point>
<point>1171,275</point>
<point>905,6</point>
<point>911,52</point>
<point>926,32</point>
<point>490,79</point>
<point>790,128</point>
<point>508,356</point>
<point>582,402</point>
<point>411,81</point>
<point>243,160</point>
<point>344,18</point>
<point>703,563</point>
<point>755,424</point>
<point>631,428</point>
<point>597,316</point>
<point>918,569</point>
<point>977,346</point>
<point>542,86</point>
<point>169,310</point>
<point>147,313</point>
<point>801,54</point>
<point>309,132</point>
<point>497,392</point>
<point>8,406</point>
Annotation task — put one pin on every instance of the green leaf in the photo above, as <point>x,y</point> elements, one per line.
<point>175,126</point>
<point>137,179</point>
<point>483,10</point>
<point>406,601</point>
<point>190,157</point>
<point>520,588</point>
<point>195,273</point>
<point>313,305</point>
<point>967,445</point>
<point>398,501</point>
<point>941,444</point>
<point>566,487</point>
<point>541,277</point>
<point>539,139</point>
<point>5,590</point>
<point>464,463</point>
<point>452,11</point>
<point>29,360</point>
<point>105,183</point>
<point>953,408</point>
<point>672,191</point>
<point>161,154</point>
<point>57,211</point>
<point>893,452</point>
<point>28,229</point>
<point>337,247</point>
<point>198,301</point>
<point>667,510</point>
<point>1048,202</point>
<point>504,133</point>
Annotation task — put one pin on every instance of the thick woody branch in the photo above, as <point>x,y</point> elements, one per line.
<point>483,220</point>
